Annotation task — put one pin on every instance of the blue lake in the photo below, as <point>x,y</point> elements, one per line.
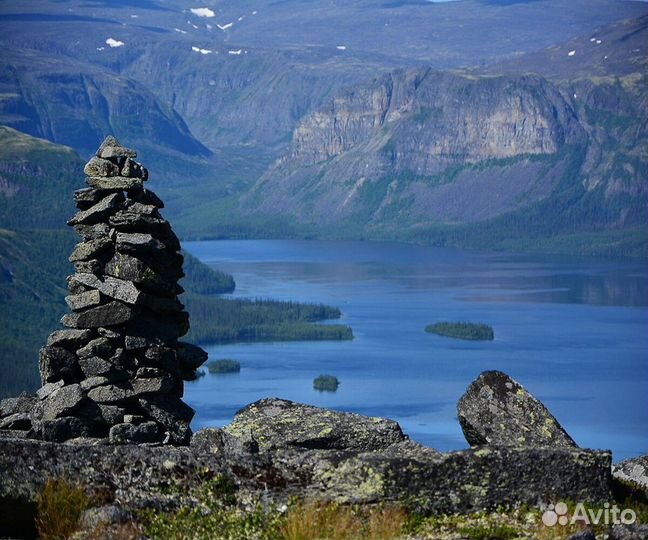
<point>574,332</point>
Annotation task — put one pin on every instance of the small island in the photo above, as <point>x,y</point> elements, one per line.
<point>462,330</point>
<point>326,383</point>
<point>226,365</point>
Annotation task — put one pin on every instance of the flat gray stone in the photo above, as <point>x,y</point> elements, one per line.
<point>69,338</point>
<point>497,410</point>
<point>44,391</point>
<point>100,167</point>
<point>279,423</point>
<point>20,404</point>
<point>95,366</point>
<point>98,212</point>
<point>63,429</point>
<point>97,347</point>
<point>138,242</point>
<point>90,249</point>
<point>112,287</point>
<point>114,182</point>
<point>110,314</point>
<point>111,393</point>
<point>148,432</point>
<point>153,385</point>
<point>87,197</point>
<point>62,402</point>
<point>84,300</point>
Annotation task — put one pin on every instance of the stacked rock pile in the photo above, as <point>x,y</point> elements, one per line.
<point>116,371</point>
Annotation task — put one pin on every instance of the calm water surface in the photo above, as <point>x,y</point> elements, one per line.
<point>573,331</point>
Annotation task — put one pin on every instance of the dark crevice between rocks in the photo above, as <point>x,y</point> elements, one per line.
<point>17,519</point>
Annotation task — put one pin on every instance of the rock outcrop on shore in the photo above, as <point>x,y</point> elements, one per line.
<point>498,410</point>
<point>115,372</point>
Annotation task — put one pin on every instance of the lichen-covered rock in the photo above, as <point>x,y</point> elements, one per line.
<point>634,472</point>
<point>465,481</point>
<point>279,423</point>
<point>497,410</point>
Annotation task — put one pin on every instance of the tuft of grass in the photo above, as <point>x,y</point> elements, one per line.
<point>59,508</point>
<point>330,521</point>
<point>489,532</point>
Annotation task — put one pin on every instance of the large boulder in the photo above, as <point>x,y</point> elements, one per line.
<point>497,410</point>
<point>279,423</point>
<point>634,472</point>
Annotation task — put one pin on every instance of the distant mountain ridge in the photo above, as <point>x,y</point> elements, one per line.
<point>416,149</point>
<point>256,112</point>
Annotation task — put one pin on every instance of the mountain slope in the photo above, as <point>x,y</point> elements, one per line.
<point>419,149</point>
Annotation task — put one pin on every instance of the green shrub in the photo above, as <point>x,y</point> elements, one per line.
<point>326,383</point>
<point>462,330</point>
<point>226,365</point>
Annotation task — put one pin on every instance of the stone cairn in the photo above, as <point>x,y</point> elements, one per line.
<point>116,372</point>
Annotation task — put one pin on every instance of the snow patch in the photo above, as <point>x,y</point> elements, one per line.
<point>254,12</point>
<point>180,31</point>
<point>201,51</point>
<point>341,47</point>
<point>598,42</point>
<point>241,18</point>
<point>225,26</point>
<point>134,16</point>
<point>100,48</point>
<point>571,53</point>
<point>111,42</point>
<point>237,52</point>
<point>203,12</point>
<point>592,40</point>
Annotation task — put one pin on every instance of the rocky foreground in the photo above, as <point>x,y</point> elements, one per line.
<point>275,450</point>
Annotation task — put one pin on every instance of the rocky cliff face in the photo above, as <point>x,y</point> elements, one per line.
<point>416,141</point>
<point>419,148</point>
